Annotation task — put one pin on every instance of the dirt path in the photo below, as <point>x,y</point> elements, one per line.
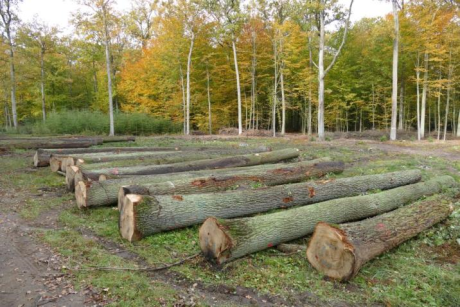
<point>30,272</point>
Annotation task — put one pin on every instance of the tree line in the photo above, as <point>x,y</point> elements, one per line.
<point>284,66</point>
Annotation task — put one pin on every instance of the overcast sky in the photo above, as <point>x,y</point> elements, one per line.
<point>58,12</point>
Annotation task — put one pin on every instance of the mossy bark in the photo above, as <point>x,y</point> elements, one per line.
<point>104,193</point>
<point>223,240</point>
<point>223,162</point>
<point>291,173</point>
<point>165,212</point>
<point>340,251</point>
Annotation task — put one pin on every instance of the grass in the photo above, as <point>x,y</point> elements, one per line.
<point>417,273</point>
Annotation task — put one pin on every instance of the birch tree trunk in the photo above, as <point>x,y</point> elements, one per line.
<point>42,85</point>
<point>321,76</point>
<point>238,89</point>
<point>394,93</point>
<point>109,69</point>
<point>189,64</point>
<point>417,72</point>
<point>184,103</point>
<point>424,93</point>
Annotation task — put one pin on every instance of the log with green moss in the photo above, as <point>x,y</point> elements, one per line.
<point>42,156</point>
<point>153,214</point>
<point>222,162</point>
<point>223,240</point>
<point>76,175</point>
<point>103,193</point>
<point>340,251</point>
<point>291,173</point>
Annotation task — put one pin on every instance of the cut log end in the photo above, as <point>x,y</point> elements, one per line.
<point>36,160</point>
<point>127,222</point>
<point>80,162</point>
<point>55,164</point>
<point>67,162</point>
<point>70,177</point>
<point>214,241</point>
<point>102,177</point>
<point>80,194</point>
<point>121,197</point>
<point>330,252</point>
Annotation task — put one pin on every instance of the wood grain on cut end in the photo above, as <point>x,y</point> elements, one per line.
<point>127,222</point>
<point>214,241</point>
<point>102,177</point>
<point>330,252</point>
<point>80,194</point>
<point>36,160</point>
<point>121,197</point>
<point>79,162</point>
<point>70,177</point>
<point>67,162</point>
<point>55,164</point>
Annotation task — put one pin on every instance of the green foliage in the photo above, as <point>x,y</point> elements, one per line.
<point>383,138</point>
<point>93,123</point>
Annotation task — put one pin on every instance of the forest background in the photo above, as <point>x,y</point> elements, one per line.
<point>185,65</point>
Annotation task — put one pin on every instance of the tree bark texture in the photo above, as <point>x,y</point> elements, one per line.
<point>223,162</point>
<point>224,240</point>
<point>153,214</point>
<point>340,251</point>
<point>104,193</point>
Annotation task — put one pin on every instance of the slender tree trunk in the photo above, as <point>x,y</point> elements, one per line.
<point>109,73</point>
<point>209,102</point>
<point>42,85</point>
<point>13,80</point>
<point>310,63</point>
<point>394,93</point>
<point>373,107</point>
<point>283,100</point>
<point>424,96</point>
<point>189,66</point>
<point>184,103</point>
<point>238,88</point>
<point>275,98</point>
<point>438,122</point>
<point>448,96</point>
<point>417,72</point>
<point>321,76</point>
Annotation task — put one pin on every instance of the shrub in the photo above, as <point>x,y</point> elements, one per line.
<point>96,123</point>
<point>383,138</point>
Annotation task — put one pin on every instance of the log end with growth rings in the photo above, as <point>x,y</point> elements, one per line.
<point>215,243</point>
<point>102,177</point>
<point>127,221</point>
<point>330,252</point>
<point>67,162</point>
<point>55,164</point>
<point>36,160</point>
<point>80,194</point>
<point>79,162</point>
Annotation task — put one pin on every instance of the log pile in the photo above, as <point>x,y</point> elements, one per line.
<point>249,199</point>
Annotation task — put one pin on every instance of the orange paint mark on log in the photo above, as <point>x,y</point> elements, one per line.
<point>269,245</point>
<point>178,197</point>
<point>114,171</point>
<point>311,190</point>
<point>288,199</point>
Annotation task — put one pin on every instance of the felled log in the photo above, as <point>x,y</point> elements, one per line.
<point>223,162</point>
<point>340,251</point>
<point>223,240</point>
<point>290,173</point>
<point>103,193</point>
<point>153,214</point>
<point>49,144</point>
<point>76,175</point>
<point>42,156</point>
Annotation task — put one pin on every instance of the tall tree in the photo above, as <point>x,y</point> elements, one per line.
<point>8,19</point>
<point>394,87</point>
<point>322,7</point>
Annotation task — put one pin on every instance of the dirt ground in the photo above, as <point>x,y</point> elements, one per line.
<point>34,274</point>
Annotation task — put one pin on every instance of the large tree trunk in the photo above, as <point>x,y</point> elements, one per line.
<point>42,156</point>
<point>291,173</point>
<point>339,251</point>
<point>31,144</point>
<point>224,162</point>
<point>13,80</point>
<point>105,192</point>
<point>223,240</point>
<point>321,76</point>
<point>238,88</point>
<point>394,92</point>
<point>152,214</point>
